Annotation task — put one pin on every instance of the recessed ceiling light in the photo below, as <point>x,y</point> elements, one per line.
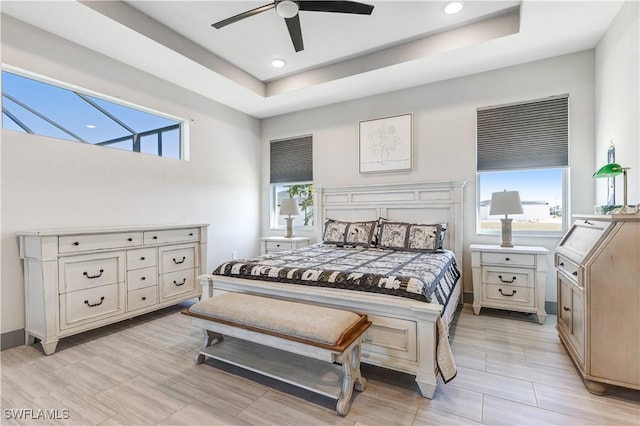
<point>278,63</point>
<point>453,7</point>
<point>91,126</point>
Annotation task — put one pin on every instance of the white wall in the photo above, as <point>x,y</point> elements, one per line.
<point>618,100</point>
<point>444,117</point>
<point>49,183</point>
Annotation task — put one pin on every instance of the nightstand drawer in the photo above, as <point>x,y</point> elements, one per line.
<point>518,296</point>
<point>279,246</point>
<point>508,276</point>
<point>509,259</point>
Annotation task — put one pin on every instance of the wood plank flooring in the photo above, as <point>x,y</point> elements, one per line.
<point>511,371</point>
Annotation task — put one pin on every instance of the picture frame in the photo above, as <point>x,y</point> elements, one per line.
<point>386,144</point>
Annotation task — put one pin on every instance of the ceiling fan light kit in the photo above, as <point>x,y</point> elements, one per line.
<point>288,10</point>
<point>453,7</point>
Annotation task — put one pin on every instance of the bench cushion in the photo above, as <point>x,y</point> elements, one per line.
<point>316,323</point>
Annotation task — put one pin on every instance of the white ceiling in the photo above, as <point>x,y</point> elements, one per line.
<point>402,44</point>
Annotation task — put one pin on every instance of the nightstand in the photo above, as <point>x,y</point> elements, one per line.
<point>511,278</point>
<point>272,244</point>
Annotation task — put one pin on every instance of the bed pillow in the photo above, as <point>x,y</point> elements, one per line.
<point>349,233</point>
<point>410,236</point>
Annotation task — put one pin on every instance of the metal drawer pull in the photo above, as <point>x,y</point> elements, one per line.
<point>76,243</point>
<point>575,273</point>
<point>91,305</point>
<point>191,234</point>
<point>142,258</point>
<point>129,239</point>
<point>507,259</point>
<point>86,274</point>
<point>561,264</point>
<point>177,262</point>
<point>506,281</point>
<point>184,280</point>
<point>143,278</point>
<point>566,309</point>
<point>155,237</point>
<point>144,298</point>
<point>507,295</point>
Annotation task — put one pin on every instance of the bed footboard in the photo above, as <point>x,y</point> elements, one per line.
<point>403,335</point>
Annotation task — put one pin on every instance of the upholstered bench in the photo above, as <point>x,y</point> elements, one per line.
<point>297,343</point>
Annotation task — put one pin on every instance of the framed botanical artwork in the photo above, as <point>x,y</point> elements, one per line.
<point>386,144</point>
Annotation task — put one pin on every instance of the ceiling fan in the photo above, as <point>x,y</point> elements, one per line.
<point>288,10</point>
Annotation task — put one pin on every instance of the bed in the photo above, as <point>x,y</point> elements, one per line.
<point>405,330</point>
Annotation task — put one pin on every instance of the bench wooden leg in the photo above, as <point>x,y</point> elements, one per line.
<point>352,378</point>
<point>210,338</point>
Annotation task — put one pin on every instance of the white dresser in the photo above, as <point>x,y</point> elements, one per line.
<point>511,278</point>
<point>598,266</point>
<point>80,279</point>
<point>272,244</point>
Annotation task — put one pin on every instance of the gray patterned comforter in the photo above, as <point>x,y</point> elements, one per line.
<point>429,277</point>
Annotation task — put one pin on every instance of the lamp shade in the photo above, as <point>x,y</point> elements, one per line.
<point>289,207</point>
<point>505,202</point>
<point>609,170</point>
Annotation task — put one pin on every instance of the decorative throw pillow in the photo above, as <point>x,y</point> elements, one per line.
<point>423,237</point>
<point>411,236</point>
<point>334,232</point>
<point>349,233</point>
<point>393,235</point>
<point>360,233</point>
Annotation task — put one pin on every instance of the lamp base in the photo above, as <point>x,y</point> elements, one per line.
<point>506,233</point>
<point>289,233</point>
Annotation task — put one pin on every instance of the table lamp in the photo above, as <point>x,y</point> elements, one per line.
<point>613,170</point>
<point>289,207</point>
<point>506,202</point>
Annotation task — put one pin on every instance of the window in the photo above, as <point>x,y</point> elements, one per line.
<point>524,147</point>
<point>291,177</point>
<point>35,107</point>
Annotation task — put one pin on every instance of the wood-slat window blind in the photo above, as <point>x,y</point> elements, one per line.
<point>292,160</point>
<point>526,135</point>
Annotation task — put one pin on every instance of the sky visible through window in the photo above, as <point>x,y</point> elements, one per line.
<point>534,185</point>
<point>79,117</point>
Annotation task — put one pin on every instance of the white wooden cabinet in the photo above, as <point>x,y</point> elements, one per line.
<point>273,244</point>
<point>80,279</point>
<point>598,269</point>
<point>511,278</point>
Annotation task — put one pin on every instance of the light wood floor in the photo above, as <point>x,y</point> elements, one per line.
<point>511,371</point>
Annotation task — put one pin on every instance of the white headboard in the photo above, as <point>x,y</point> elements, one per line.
<point>425,202</point>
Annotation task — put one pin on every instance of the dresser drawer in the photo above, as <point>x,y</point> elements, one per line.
<point>508,294</point>
<point>79,243</point>
<point>141,258</point>
<point>509,276</point>
<point>141,278</point>
<point>176,283</point>
<point>84,306</point>
<point>509,259</point>
<point>82,272</point>
<point>171,236</point>
<point>142,298</point>
<point>177,259</point>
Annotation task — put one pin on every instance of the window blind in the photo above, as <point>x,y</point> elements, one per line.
<point>292,160</point>
<point>526,135</point>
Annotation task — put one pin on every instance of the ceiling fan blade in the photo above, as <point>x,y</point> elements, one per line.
<point>243,15</point>
<point>336,6</point>
<point>293,24</point>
